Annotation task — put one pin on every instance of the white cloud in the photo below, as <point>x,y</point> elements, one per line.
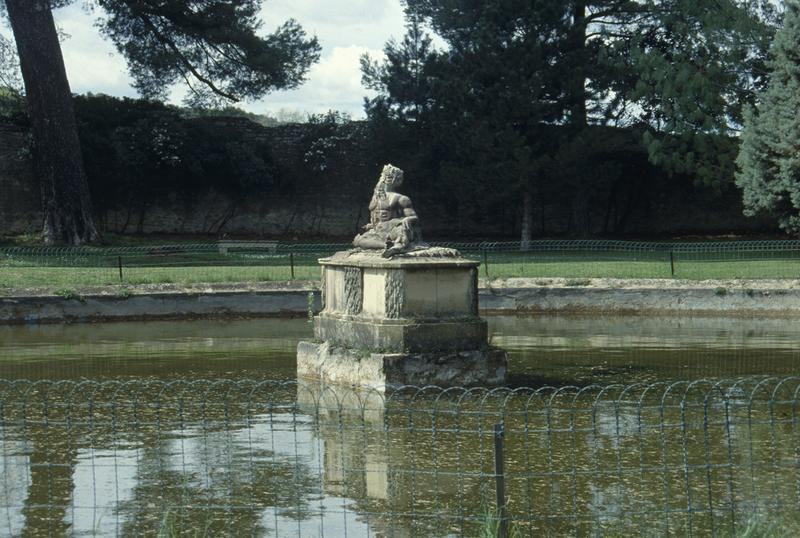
<point>333,83</point>
<point>345,29</point>
<point>92,62</point>
<point>339,22</point>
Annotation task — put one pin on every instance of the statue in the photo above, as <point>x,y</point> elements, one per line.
<point>393,225</point>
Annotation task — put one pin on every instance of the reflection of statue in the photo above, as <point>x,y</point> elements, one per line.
<point>393,225</point>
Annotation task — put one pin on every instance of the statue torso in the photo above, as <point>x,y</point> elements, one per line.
<point>386,209</point>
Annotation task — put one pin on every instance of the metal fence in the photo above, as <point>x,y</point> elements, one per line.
<point>263,458</point>
<point>258,261</point>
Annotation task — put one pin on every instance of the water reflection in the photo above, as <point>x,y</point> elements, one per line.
<point>554,350</point>
<point>247,458</point>
<point>250,453</point>
<point>562,350</point>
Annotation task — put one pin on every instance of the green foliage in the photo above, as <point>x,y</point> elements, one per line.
<point>124,293</point>
<point>675,72</point>
<point>10,77</point>
<point>769,160</point>
<point>12,106</point>
<point>173,526</point>
<point>153,151</point>
<point>331,142</point>
<point>12,102</point>
<point>283,115</point>
<point>697,64</point>
<point>474,109</point>
<point>212,46</point>
<point>406,79</point>
<point>69,294</point>
<point>491,527</point>
<point>698,61</point>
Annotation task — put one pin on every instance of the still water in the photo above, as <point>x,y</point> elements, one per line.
<point>236,447</point>
<point>542,350</point>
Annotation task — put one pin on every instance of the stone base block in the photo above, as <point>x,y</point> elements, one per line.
<point>382,371</point>
<point>402,335</point>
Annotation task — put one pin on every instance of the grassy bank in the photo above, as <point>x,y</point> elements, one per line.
<point>74,277</point>
<point>30,276</point>
<point>184,262</point>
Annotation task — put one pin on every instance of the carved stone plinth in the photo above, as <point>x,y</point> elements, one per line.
<point>402,335</point>
<point>380,371</point>
<point>411,320</point>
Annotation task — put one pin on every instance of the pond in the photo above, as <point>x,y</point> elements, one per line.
<point>555,350</point>
<point>237,447</point>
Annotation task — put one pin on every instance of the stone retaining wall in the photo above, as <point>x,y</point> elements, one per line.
<point>718,300</point>
<point>157,305</point>
<point>602,296</point>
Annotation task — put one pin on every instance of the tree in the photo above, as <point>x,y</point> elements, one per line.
<point>140,152</point>
<point>212,46</point>
<point>683,69</point>
<point>404,81</point>
<point>769,159</point>
<point>692,66</point>
<point>477,103</point>
<point>66,204</point>
<point>511,68</point>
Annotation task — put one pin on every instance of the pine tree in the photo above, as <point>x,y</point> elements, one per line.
<point>214,47</point>
<point>478,103</point>
<point>769,159</point>
<point>680,68</point>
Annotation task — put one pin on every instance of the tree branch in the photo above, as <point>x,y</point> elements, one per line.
<point>185,61</point>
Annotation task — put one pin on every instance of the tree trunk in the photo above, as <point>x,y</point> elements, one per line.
<point>66,204</point>
<point>578,114</point>
<point>527,219</point>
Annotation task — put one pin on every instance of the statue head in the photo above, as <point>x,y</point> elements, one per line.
<point>391,177</point>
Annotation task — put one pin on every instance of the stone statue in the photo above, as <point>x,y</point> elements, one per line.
<point>393,225</point>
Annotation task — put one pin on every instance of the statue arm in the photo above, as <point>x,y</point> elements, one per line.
<point>408,209</point>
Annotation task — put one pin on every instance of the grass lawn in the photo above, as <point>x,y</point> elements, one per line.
<point>689,270</point>
<point>74,277</point>
<point>64,278</point>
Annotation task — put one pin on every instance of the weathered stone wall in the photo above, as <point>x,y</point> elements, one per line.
<point>332,201</point>
<point>301,215</point>
<point>756,299</point>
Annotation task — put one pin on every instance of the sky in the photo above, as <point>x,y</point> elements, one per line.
<point>345,29</point>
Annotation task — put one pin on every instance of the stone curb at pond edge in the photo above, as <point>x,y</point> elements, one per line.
<point>750,298</point>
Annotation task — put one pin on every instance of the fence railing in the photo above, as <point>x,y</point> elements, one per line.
<point>712,248</point>
<point>248,261</point>
<point>263,458</point>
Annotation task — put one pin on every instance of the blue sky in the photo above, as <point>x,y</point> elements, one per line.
<point>345,29</point>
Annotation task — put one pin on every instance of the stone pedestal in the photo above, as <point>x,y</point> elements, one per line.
<point>409,320</point>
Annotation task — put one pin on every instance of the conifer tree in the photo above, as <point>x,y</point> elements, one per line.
<point>769,159</point>
<point>677,70</point>
<point>214,47</point>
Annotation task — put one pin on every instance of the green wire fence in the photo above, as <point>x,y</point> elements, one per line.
<point>261,261</point>
<point>250,457</point>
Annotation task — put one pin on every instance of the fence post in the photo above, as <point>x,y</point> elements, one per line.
<point>672,262</point>
<point>119,261</point>
<point>291,264</point>
<point>500,481</point>
<point>485,263</point>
